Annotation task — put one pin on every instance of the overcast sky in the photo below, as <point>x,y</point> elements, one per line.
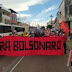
<point>35,11</point>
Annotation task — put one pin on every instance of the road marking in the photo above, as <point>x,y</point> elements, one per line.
<point>17,64</point>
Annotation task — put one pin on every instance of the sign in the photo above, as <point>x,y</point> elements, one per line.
<point>27,46</point>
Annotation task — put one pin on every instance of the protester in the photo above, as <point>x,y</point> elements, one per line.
<point>69,62</point>
<point>54,33</point>
<point>46,32</point>
<point>69,42</point>
<point>24,33</point>
<point>32,34</point>
<point>14,33</point>
<point>65,38</point>
<point>42,31</point>
<point>37,33</point>
<point>60,33</point>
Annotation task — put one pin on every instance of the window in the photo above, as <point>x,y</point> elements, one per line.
<point>19,29</point>
<point>7,21</point>
<point>60,14</point>
<point>5,29</point>
<point>70,9</point>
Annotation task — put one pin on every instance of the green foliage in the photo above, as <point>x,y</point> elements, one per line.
<point>49,26</point>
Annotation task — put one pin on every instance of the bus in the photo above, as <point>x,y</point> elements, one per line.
<point>6,29</point>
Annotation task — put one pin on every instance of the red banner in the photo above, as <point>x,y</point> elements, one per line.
<point>27,46</point>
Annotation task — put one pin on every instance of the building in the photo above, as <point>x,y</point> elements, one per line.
<point>4,15</point>
<point>61,12</point>
<point>25,25</point>
<point>57,25</point>
<point>68,13</point>
<point>65,13</point>
<point>13,17</point>
<point>9,17</point>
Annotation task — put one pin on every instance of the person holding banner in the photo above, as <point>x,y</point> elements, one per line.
<point>14,33</point>
<point>24,33</point>
<point>42,31</point>
<point>65,38</point>
<point>37,33</point>
<point>65,29</point>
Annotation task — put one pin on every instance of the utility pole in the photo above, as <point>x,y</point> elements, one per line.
<point>51,19</point>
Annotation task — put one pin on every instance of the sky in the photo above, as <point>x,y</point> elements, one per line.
<point>33,11</point>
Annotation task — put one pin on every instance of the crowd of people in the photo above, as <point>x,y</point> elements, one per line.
<point>42,32</point>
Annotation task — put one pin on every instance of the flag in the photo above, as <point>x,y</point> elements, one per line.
<point>64,27</point>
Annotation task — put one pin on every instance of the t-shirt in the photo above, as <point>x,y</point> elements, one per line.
<point>23,33</point>
<point>71,55</point>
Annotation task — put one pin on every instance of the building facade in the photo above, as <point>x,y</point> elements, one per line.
<point>60,15</point>
<point>13,17</point>
<point>8,16</point>
<point>61,12</point>
<point>4,15</point>
<point>65,13</point>
<point>68,13</point>
<point>27,26</point>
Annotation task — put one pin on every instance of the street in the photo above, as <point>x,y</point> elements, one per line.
<point>33,64</point>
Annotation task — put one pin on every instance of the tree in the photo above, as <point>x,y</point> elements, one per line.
<point>49,26</point>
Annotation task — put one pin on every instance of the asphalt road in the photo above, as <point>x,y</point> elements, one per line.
<point>42,64</point>
<point>6,63</point>
<point>33,64</point>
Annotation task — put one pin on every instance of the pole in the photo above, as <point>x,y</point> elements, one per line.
<point>51,19</point>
